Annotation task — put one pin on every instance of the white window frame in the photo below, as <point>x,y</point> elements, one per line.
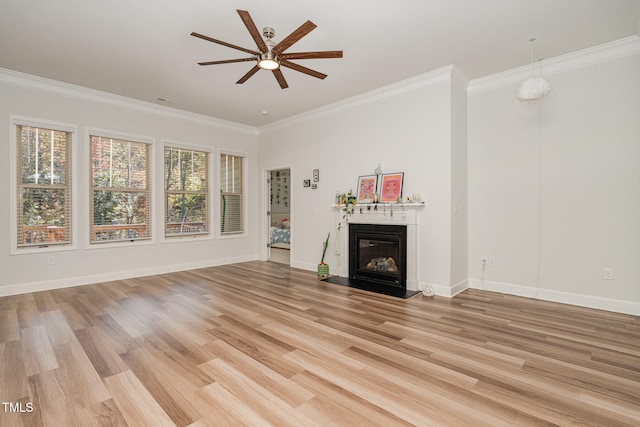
<point>245,195</point>
<point>161,194</point>
<point>15,121</point>
<point>87,191</point>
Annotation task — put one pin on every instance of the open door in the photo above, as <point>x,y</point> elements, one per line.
<point>279,215</point>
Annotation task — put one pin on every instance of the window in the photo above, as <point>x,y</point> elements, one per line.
<point>231,194</point>
<point>120,201</point>
<point>43,177</point>
<point>186,194</point>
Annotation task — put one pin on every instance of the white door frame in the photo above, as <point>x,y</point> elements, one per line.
<point>265,251</point>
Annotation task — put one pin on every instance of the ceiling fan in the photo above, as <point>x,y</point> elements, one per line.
<point>271,56</point>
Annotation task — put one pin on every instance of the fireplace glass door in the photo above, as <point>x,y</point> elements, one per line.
<point>378,253</point>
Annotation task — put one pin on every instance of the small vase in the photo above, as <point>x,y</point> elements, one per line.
<point>323,270</point>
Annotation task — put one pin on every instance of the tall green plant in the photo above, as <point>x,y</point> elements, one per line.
<point>324,248</point>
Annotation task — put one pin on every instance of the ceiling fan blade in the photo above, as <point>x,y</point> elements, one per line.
<point>280,78</point>
<point>203,37</point>
<point>251,26</point>
<point>227,61</point>
<point>312,55</point>
<point>246,77</point>
<point>302,69</point>
<point>292,38</point>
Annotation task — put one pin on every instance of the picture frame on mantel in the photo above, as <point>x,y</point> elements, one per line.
<point>366,188</point>
<point>391,187</point>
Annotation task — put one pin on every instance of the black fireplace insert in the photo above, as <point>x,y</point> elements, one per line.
<point>378,253</point>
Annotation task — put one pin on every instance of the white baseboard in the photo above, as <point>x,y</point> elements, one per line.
<point>445,291</point>
<point>47,285</point>
<point>601,303</point>
<point>309,266</point>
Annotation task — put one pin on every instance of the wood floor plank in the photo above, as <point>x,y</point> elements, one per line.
<point>137,405</point>
<point>278,385</point>
<point>9,326</point>
<point>14,383</point>
<point>37,351</point>
<point>270,407</point>
<point>259,343</point>
<point>334,405</point>
<point>163,386</point>
<point>229,410</point>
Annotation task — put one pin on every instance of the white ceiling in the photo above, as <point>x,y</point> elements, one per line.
<point>142,48</point>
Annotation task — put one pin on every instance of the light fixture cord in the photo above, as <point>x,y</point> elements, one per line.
<point>533,67</point>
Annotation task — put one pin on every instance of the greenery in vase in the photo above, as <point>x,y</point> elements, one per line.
<point>346,202</point>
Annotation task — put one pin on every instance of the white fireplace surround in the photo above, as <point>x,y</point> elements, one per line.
<point>383,214</point>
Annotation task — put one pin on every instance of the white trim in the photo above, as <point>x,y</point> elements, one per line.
<point>309,266</point>
<point>17,120</point>
<point>574,60</point>
<point>459,287</point>
<point>265,235</point>
<point>40,83</point>
<point>245,194</point>
<point>160,229</point>
<point>441,75</point>
<point>47,285</point>
<point>185,146</point>
<point>91,131</point>
<point>445,291</point>
<point>601,303</point>
<point>34,122</point>
<point>104,133</point>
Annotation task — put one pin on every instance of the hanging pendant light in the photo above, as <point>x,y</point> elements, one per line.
<point>535,87</point>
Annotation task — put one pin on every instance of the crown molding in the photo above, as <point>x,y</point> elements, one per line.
<point>441,75</point>
<point>574,60</point>
<point>48,85</point>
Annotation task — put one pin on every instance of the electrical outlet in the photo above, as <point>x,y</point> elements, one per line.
<point>489,260</point>
<point>607,273</point>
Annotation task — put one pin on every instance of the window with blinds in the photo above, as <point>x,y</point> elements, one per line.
<point>231,194</point>
<point>43,186</point>
<point>186,192</point>
<point>120,196</point>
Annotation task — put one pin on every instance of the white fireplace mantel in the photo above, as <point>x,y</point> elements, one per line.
<point>382,213</point>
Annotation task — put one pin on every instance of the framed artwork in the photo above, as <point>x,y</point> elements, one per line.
<point>366,188</point>
<point>391,187</point>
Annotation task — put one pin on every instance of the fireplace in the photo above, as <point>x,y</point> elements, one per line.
<point>387,226</point>
<point>378,253</point>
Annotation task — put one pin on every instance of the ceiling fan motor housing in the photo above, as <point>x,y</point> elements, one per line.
<point>268,32</point>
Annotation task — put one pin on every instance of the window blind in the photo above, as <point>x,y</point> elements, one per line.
<point>43,186</point>
<point>186,192</point>
<point>232,194</point>
<point>120,190</point>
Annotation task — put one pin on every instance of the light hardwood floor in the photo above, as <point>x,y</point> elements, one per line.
<point>260,344</point>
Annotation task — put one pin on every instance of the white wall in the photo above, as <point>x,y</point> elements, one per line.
<point>550,190</point>
<point>61,103</point>
<point>459,185</point>
<point>554,188</point>
<point>407,129</point>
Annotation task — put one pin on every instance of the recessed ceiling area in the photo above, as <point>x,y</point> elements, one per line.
<point>143,49</point>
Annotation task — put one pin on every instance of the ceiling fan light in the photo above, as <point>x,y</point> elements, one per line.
<point>268,61</point>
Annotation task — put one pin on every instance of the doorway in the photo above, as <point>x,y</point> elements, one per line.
<point>279,215</point>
